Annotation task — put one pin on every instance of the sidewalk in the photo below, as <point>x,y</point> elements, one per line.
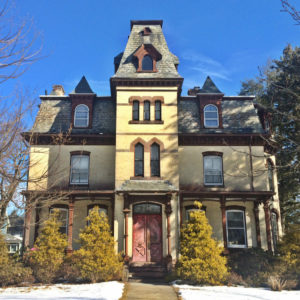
<point>150,291</point>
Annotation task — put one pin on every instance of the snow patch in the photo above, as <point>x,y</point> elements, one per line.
<point>98,291</point>
<point>189,292</point>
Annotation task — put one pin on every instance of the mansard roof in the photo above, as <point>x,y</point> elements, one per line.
<point>238,116</point>
<point>55,116</point>
<point>128,64</point>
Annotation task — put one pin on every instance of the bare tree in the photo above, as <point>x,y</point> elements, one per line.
<point>291,10</point>
<point>17,45</point>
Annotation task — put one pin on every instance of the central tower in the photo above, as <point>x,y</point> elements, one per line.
<point>146,86</point>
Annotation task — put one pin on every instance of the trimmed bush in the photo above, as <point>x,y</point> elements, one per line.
<point>253,265</point>
<point>49,250</point>
<point>12,272</point>
<point>96,259</point>
<point>201,260</point>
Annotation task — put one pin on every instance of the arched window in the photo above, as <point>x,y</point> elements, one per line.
<point>139,160</point>
<point>81,117</point>
<point>270,175</point>
<point>155,160</point>
<point>147,63</point>
<point>157,110</point>
<point>211,116</point>
<point>136,110</point>
<point>147,110</point>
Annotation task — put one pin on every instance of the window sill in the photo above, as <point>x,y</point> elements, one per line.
<point>237,247</point>
<point>145,122</point>
<point>145,178</point>
<point>78,186</point>
<point>214,185</point>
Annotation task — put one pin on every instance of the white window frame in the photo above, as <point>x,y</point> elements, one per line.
<point>205,170</point>
<point>244,228</point>
<point>209,119</point>
<point>76,118</point>
<point>67,216</point>
<point>10,247</point>
<point>72,167</point>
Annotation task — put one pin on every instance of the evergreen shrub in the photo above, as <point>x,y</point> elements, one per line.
<point>97,260</point>
<point>49,250</point>
<point>201,260</point>
<point>12,272</point>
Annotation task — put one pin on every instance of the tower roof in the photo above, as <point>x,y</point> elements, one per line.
<point>83,87</point>
<point>209,87</point>
<point>146,32</point>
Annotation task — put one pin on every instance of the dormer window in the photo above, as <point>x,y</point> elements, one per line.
<point>147,63</point>
<point>81,116</point>
<point>211,116</point>
<point>147,57</point>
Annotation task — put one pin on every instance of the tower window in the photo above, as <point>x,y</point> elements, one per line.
<point>139,160</point>
<point>147,110</point>
<point>155,160</point>
<point>136,110</point>
<point>147,63</point>
<point>157,110</point>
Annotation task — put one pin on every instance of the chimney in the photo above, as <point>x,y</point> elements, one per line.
<point>57,90</point>
<point>194,91</point>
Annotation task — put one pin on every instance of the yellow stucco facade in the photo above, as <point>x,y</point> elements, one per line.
<point>240,183</point>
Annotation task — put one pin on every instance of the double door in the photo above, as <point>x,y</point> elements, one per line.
<point>147,238</point>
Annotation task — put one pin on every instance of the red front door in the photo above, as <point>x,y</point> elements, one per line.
<point>147,241</point>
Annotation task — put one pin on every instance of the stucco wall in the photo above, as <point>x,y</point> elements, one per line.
<point>214,216</point>
<point>127,133</point>
<point>236,166</point>
<point>56,159</point>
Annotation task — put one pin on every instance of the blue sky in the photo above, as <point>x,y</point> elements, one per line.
<point>227,40</point>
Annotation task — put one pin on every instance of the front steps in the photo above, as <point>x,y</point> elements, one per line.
<point>146,271</point>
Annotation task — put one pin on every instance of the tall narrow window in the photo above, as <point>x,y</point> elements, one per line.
<point>81,117</point>
<point>155,160</point>
<point>79,169</point>
<point>147,63</point>
<point>213,174</point>
<point>211,116</point>
<point>63,217</point>
<point>274,229</point>
<point>147,110</point>
<point>270,175</point>
<point>236,231</point>
<point>136,110</point>
<point>157,110</point>
<point>139,160</point>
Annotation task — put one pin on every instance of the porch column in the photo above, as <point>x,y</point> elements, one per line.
<point>223,210</point>
<point>70,226</point>
<point>181,209</point>
<point>257,227</point>
<point>28,214</point>
<point>126,212</point>
<point>268,225</point>
<point>168,211</point>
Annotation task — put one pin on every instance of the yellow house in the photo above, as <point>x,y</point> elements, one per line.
<point>145,153</point>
